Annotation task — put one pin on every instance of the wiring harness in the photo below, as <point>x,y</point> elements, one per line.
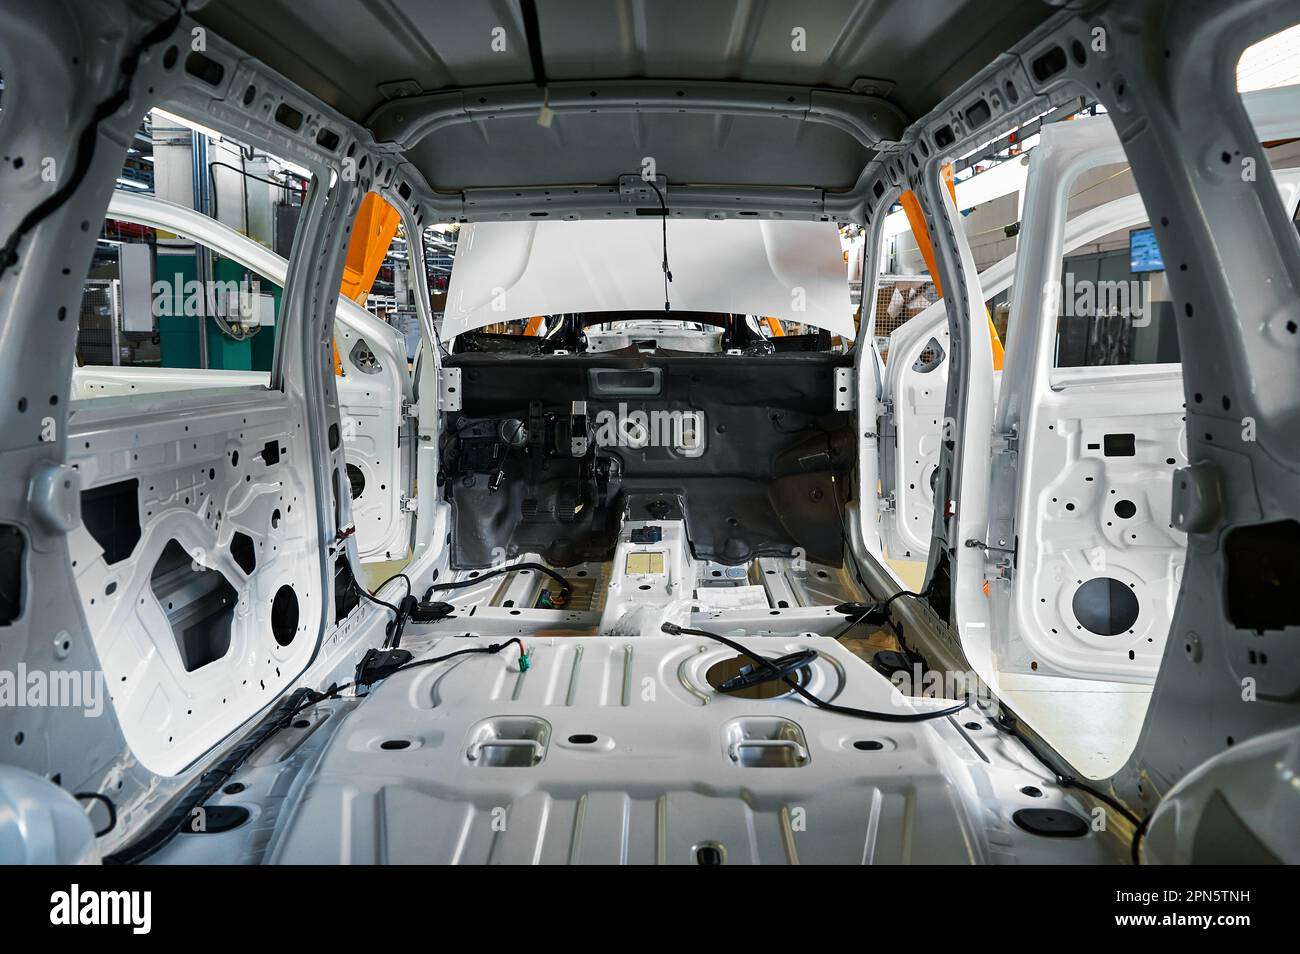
<point>771,670</point>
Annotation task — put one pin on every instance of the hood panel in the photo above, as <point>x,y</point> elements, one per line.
<point>788,270</point>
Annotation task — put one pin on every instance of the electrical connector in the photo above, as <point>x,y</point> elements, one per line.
<point>379,664</point>
<point>430,611</point>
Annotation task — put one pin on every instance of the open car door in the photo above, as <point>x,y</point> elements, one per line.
<point>377,411</point>
<point>374,383</point>
<point>910,430</point>
<point>916,381</point>
<point>1082,559</point>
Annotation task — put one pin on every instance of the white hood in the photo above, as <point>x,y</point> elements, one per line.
<point>782,269</point>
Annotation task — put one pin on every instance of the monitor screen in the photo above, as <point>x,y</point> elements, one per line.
<point>1143,252</point>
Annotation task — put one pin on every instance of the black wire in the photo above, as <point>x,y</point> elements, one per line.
<point>333,691</point>
<point>461,584</point>
<point>854,622</point>
<point>396,576</point>
<point>1066,781</point>
<point>1011,727</point>
<point>471,651</point>
<point>924,594</point>
<point>1135,846</point>
<point>668,275</point>
<point>361,591</point>
<point>108,803</point>
<point>675,630</point>
<point>533,36</point>
<point>207,784</point>
<point>85,153</point>
<point>872,607</point>
<point>212,180</point>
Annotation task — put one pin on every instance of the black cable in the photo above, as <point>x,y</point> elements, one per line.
<point>873,606</point>
<point>211,781</point>
<point>488,650</point>
<point>362,591</point>
<point>1062,779</point>
<point>533,36</point>
<point>108,803</point>
<point>663,206</point>
<point>854,621</point>
<point>396,576</point>
<point>785,666</point>
<point>396,610</point>
<point>85,153</point>
<point>924,594</point>
<point>1009,724</point>
<point>1135,846</point>
<point>461,584</point>
<point>212,180</point>
<point>675,630</point>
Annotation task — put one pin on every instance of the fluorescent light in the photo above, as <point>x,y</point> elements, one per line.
<point>131,183</point>
<point>1271,62</point>
<point>187,123</point>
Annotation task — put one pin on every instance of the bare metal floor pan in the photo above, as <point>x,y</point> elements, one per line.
<point>618,751</point>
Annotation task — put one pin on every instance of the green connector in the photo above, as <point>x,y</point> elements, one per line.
<point>525,662</point>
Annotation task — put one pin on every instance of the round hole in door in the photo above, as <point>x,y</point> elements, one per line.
<point>356,481</point>
<point>284,615</point>
<point>1105,606</point>
<point>1125,509</point>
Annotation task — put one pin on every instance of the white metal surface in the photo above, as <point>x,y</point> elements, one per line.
<point>41,823</point>
<point>196,469</point>
<point>618,751</point>
<point>917,396</point>
<point>371,393</point>
<point>1220,811</point>
<point>649,583</point>
<point>1066,528</point>
<point>785,269</point>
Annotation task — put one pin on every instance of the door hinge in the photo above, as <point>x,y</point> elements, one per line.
<point>846,398</point>
<point>410,409</point>
<point>449,389</point>
<point>886,504</point>
<point>1002,559</point>
<point>407,504</point>
<point>1007,442</point>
